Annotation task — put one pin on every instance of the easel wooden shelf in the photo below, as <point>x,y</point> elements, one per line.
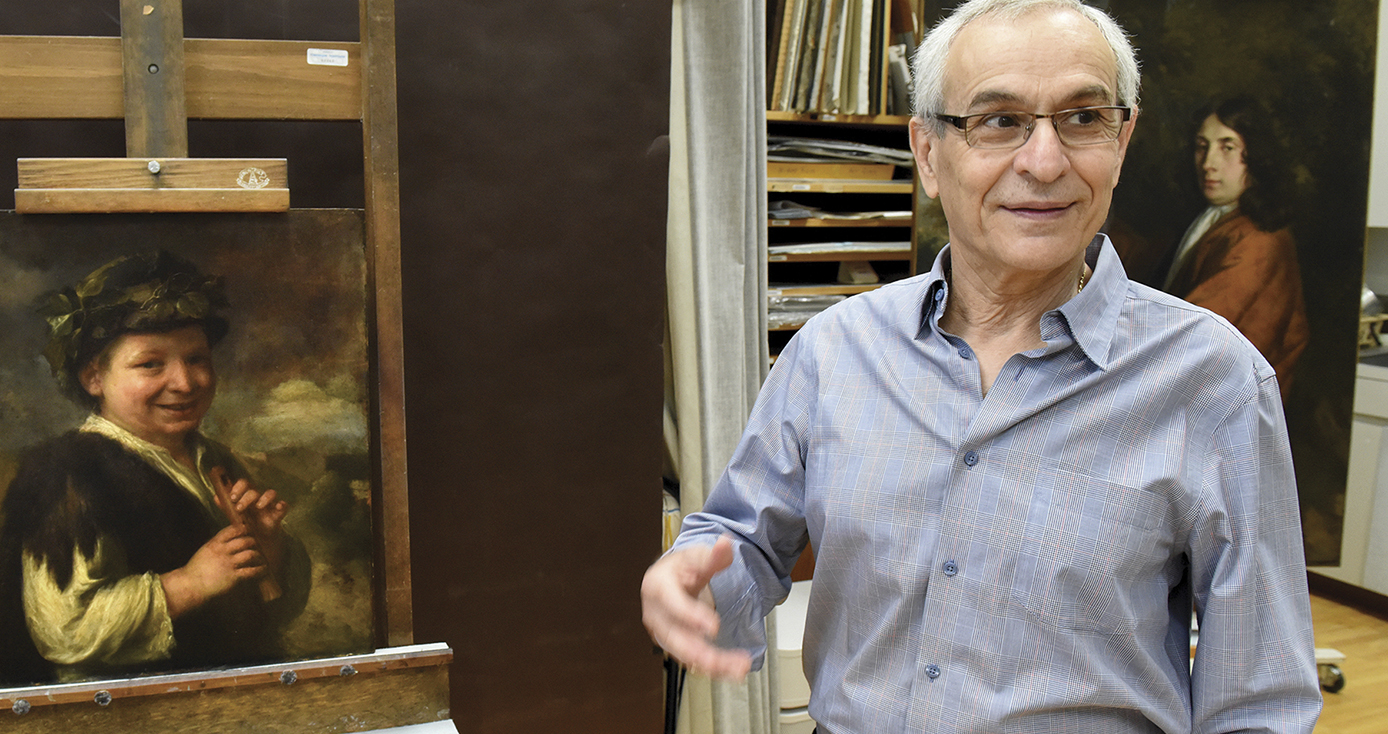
<point>102,185</point>
<point>387,688</point>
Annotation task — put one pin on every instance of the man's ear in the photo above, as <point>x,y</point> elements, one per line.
<point>90,377</point>
<point>923,145</point>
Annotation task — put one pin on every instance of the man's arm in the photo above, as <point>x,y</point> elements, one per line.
<point>1255,665</point>
<point>677,609</point>
<point>749,534</point>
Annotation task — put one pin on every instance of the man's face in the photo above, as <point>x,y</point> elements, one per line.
<point>1219,162</point>
<point>1029,211</point>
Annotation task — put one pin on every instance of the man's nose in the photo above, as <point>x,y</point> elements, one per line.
<point>1043,155</point>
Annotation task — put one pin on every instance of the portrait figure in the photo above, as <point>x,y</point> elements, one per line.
<point>1293,83</point>
<point>155,525</point>
<point>1238,257</point>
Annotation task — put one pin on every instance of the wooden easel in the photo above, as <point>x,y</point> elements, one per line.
<point>155,79</point>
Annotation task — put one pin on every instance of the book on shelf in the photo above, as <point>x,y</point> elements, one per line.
<point>899,71</point>
<point>809,54</point>
<point>824,58</point>
<point>793,26</point>
<point>775,11</point>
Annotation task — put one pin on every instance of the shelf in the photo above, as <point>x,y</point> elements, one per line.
<point>830,289</point>
<point>842,186</point>
<point>884,120</point>
<point>854,255</point>
<point>811,222</point>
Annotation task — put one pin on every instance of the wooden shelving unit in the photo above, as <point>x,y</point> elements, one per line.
<point>805,274</point>
<point>835,69</point>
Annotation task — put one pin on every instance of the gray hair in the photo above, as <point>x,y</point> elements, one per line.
<point>928,67</point>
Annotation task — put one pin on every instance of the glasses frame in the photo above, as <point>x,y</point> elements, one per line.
<point>961,123</point>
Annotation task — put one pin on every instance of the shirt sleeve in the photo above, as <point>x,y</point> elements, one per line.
<point>104,616</point>
<point>760,503</point>
<point>1254,667</point>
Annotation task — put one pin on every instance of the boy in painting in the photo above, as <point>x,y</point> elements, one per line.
<point>117,554</point>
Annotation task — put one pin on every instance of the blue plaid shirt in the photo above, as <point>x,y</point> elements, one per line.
<point>1025,561</point>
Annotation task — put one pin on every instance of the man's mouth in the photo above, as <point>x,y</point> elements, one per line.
<point>1039,208</point>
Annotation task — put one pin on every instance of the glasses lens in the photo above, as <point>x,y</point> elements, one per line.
<point>1089,125</point>
<point>998,129</point>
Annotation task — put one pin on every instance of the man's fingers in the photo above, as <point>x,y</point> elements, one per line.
<point>705,658</point>
<point>678,610</point>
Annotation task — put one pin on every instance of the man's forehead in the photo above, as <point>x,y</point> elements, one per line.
<point>1051,51</point>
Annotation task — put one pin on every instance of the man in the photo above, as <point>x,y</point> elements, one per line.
<point>1020,472</point>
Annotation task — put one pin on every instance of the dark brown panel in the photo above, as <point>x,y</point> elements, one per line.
<point>533,193</point>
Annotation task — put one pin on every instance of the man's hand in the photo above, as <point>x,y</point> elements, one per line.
<point>677,608</point>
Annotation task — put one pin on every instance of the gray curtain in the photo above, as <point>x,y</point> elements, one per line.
<point>716,276</point>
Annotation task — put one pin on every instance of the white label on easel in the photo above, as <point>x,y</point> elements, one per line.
<point>327,57</point>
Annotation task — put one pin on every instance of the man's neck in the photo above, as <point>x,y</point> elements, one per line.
<point>998,322</point>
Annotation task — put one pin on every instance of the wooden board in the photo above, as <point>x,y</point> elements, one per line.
<point>106,185</point>
<point>156,123</point>
<point>67,77</point>
<point>388,688</point>
<point>137,173</point>
<point>109,201</point>
<point>381,154</point>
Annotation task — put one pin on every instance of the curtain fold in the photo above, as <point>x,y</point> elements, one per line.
<point>716,276</point>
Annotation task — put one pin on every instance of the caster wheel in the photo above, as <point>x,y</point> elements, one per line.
<point>1332,679</point>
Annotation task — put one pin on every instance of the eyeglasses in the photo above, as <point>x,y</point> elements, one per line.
<point>1079,126</point>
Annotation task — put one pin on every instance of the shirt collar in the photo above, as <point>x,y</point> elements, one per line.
<point>1091,316</point>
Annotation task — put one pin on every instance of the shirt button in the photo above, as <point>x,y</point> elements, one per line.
<point>971,458</point>
<point>965,352</point>
<point>932,671</point>
<point>939,294</point>
<point>951,568</point>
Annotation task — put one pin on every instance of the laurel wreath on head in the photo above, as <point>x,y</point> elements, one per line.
<point>93,311</point>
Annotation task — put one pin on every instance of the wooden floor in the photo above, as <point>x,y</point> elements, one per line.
<point>1361,707</point>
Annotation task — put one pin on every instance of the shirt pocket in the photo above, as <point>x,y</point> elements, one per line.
<point>1093,555</point>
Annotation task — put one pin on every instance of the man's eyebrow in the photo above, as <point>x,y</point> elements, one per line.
<point>1091,94</point>
<point>995,98</point>
<point>1221,139</point>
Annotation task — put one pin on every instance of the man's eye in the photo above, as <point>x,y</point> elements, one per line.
<point>1000,121</point>
<point>1083,117</point>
